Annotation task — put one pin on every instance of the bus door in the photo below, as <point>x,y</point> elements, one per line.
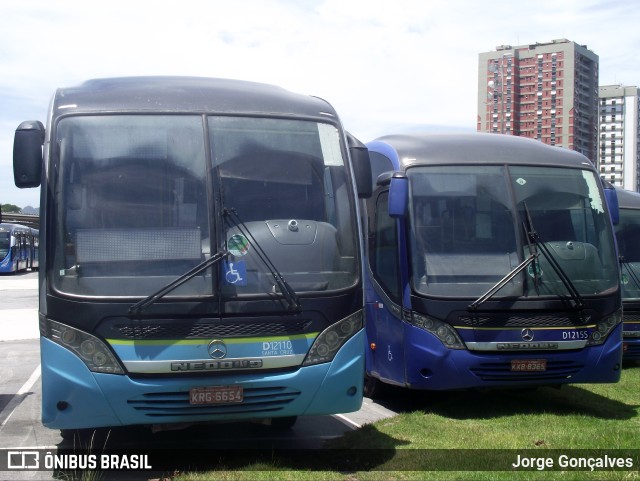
<point>385,329</point>
<point>21,242</point>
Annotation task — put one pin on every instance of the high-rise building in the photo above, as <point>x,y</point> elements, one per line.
<point>545,91</point>
<point>619,136</point>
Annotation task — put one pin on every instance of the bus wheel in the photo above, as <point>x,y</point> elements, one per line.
<point>373,387</point>
<point>284,423</point>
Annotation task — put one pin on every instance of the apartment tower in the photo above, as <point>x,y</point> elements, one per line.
<point>544,91</point>
<point>619,135</point>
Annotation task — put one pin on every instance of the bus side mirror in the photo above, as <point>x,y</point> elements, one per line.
<point>398,194</point>
<point>27,154</point>
<point>611,197</point>
<point>361,166</point>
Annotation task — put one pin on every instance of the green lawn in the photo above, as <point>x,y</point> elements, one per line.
<point>438,432</point>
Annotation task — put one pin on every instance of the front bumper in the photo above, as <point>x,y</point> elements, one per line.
<point>74,397</point>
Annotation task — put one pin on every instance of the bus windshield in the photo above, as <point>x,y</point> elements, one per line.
<point>135,198</point>
<point>628,237</point>
<point>468,231</point>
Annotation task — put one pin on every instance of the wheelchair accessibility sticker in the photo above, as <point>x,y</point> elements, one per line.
<point>235,273</point>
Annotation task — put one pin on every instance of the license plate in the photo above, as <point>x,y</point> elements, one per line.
<point>216,395</point>
<point>528,365</point>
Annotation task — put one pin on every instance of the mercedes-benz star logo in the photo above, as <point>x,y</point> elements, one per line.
<point>527,335</point>
<point>217,349</point>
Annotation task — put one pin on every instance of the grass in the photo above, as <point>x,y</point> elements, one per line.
<point>474,433</point>
<point>84,447</point>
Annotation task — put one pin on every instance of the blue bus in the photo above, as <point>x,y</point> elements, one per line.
<point>491,263</point>
<point>628,237</point>
<point>202,253</point>
<point>18,248</point>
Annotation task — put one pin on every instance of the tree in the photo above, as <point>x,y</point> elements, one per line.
<point>11,208</point>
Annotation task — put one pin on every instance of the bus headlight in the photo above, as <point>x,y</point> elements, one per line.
<point>604,328</point>
<point>443,331</point>
<point>327,344</point>
<point>93,352</point>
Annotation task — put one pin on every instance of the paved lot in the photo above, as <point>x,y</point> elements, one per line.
<point>19,307</point>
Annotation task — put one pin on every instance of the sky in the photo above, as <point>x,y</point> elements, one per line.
<point>387,66</point>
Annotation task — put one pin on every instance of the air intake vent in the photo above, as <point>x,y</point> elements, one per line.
<point>190,330</point>
<point>516,321</point>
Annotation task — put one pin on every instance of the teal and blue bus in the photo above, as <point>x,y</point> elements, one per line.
<point>491,262</point>
<point>200,253</point>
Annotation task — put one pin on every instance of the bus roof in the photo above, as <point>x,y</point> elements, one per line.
<point>475,149</point>
<point>9,227</point>
<point>628,199</point>
<point>186,95</point>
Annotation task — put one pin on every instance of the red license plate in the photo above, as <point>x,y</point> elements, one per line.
<point>216,395</point>
<point>528,365</point>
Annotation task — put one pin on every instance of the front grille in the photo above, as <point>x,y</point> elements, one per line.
<point>632,352</point>
<point>501,371</point>
<point>516,320</point>
<point>256,401</point>
<point>630,316</point>
<point>186,330</point>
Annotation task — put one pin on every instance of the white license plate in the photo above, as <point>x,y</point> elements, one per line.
<point>528,365</point>
<point>216,395</point>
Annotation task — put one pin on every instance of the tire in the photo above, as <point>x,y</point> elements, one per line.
<point>373,387</point>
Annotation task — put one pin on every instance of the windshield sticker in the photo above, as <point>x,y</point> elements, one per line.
<point>330,145</point>
<point>238,245</point>
<point>521,181</point>
<point>235,273</point>
<point>594,194</point>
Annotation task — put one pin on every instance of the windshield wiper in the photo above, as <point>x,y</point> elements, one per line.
<point>534,241</point>
<point>531,235</point>
<point>503,282</point>
<point>532,259</point>
<point>233,219</point>
<point>138,307</point>
<point>534,238</point>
